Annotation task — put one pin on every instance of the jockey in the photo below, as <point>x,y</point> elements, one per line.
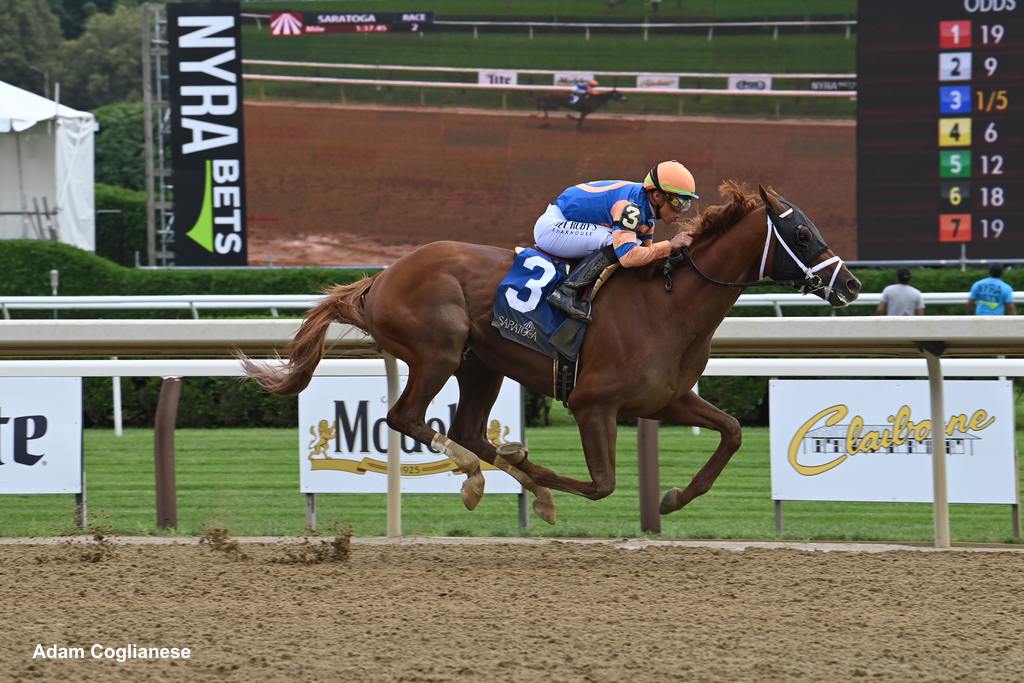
<point>581,91</point>
<point>609,221</point>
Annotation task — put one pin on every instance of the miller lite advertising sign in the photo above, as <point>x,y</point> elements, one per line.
<point>40,435</point>
<point>205,65</point>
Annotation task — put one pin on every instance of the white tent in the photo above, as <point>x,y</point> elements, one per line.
<point>46,170</point>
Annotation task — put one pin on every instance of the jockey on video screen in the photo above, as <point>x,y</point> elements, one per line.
<point>581,91</point>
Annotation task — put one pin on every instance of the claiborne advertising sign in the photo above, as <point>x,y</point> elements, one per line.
<point>658,81</point>
<point>40,435</point>
<point>205,64</point>
<point>870,440</point>
<point>343,438</point>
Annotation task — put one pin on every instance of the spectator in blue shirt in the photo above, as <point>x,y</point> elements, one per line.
<point>991,296</point>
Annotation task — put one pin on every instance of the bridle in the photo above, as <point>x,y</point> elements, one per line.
<point>808,283</point>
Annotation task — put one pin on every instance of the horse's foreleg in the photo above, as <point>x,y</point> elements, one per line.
<point>597,433</point>
<point>694,411</point>
<point>478,389</point>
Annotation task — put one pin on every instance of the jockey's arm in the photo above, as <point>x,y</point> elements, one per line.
<point>632,247</point>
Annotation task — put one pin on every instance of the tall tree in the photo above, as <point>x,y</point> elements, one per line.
<point>29,43</point>
<point>74,13</point>
<point>104,65</point>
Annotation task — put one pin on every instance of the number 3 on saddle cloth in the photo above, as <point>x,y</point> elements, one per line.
<point>523,315</point>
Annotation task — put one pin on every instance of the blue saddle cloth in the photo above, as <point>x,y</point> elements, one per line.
<point>523,315</point>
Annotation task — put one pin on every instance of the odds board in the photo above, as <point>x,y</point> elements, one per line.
<point>940,129</point>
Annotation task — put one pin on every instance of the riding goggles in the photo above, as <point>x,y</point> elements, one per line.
<point>679,202</point>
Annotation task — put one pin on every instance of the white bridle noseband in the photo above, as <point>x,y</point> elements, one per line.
<point>807,271</point>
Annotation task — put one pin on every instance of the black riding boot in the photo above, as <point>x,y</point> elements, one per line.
<point>567,296</point>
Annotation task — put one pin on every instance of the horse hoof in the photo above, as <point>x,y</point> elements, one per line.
<point>513,453</point>
<point>473,490</point>
<point>670,502</point>
<point>545,509</point>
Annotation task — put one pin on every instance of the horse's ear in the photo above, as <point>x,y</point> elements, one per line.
<point>770,200</point>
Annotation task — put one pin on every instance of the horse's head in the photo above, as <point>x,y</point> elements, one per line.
<point>802,255</point>
<point>616,95</point>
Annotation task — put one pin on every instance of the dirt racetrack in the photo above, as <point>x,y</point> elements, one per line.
<point>332,185</point>
<point>517,611</point>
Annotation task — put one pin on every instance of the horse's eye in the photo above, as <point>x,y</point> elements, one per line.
<point>803,235</point>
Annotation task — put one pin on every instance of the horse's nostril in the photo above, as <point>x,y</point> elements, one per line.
<point>853,285</point>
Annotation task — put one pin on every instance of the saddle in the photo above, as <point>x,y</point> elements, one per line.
<point>522,314</point>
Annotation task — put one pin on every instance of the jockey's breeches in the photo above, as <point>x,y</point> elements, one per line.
<point>558,236</point>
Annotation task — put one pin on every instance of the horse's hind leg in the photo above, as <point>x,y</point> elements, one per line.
<point>478,389</point>
<point>692,410</point>
<point>432,348</point>
<point>408,417</point>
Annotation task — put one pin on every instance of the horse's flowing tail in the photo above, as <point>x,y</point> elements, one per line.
<point>343,304</point>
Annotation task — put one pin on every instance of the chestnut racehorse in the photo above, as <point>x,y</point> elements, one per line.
<point>644,351</point>
<point>588,105</point>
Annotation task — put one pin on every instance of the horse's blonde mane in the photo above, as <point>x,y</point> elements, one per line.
<point>717,219</point>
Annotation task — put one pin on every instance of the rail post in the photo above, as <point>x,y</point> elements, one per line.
<point>932,351</point>
<point>647,464</point>
<point>394,452</point>
<point>166,414</point>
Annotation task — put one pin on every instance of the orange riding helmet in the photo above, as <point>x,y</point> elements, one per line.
<point>672,178</point>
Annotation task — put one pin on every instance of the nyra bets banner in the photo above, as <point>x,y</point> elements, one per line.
<point>40,435</point>
<point>343,438</point>
<point>205,76</point>
<point>870,440</point>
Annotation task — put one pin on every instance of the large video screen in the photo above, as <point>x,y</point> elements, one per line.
<point>940,129</point>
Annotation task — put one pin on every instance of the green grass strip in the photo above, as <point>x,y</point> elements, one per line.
<point>247,481</point>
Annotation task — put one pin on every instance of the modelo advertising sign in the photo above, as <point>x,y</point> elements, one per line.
<point>343,438</point>
<point>40,435</point>
<point>207,134</point>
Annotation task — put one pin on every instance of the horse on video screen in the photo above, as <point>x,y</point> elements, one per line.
<point>588,105</point>
<point>646,347</point>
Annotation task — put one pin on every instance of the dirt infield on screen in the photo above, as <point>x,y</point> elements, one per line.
<point>553,611</point>
<point>334,185</point>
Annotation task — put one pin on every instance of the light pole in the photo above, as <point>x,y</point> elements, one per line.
<point>46,79</point>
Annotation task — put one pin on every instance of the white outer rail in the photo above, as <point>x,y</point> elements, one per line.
<point>490,86</point>
<point>273,302</point>
<point>717,367</point>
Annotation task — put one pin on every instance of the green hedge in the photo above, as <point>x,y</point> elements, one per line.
<point>206,402</point>
<point>26,265</point>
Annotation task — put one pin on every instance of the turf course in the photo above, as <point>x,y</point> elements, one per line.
<point>247,481</point>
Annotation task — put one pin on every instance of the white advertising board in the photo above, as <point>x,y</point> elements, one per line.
<point>659,81</point>
<point>571,78</point>
<point>750,82</point>
<point>497,77</point>
<point>870,440</point>
<point>40,435</point>
<point>343,438</point>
